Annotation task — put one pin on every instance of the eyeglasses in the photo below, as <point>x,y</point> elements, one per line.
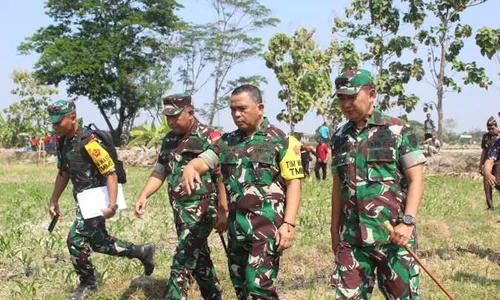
<point>491,128</point>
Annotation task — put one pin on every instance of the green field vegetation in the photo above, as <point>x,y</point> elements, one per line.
<point>459,240</point>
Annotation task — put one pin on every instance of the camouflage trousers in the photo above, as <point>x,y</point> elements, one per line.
<point>91,234</point>
<point>253,263</point>
<point>397,272</point>
<point>488,192</point>
<point>192,259</point>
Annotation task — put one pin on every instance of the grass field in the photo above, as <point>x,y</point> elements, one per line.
<point>459,241</point>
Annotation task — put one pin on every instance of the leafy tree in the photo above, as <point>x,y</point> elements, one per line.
<point>154,85</point>
<point>303,72</point>
<point>100,48</point>
<point>444,34</point>
<point>377,23</point>
<point>29,115</point>
<point>195,53</point>
<point>219,46</point>
<point>488,41</point>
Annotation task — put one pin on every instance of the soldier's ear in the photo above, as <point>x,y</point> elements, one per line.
<point>260,107</point>
<point>373,95</point>
<point>72,116</point>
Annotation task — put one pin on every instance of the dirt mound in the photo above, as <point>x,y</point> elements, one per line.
<point>454,160</point>
<point>449,160</point>
<point>138,156</point>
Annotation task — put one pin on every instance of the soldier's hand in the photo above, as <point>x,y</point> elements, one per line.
<point>140,208</point>
<point>490,179</point>
<point>54,210</point>
<point>284,236</point>
<point>221,221</point>
<point>401,234</point>
<point>107,213</point>
<point>189,178</point>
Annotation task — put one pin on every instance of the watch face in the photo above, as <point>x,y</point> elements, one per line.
<point>409,220</point>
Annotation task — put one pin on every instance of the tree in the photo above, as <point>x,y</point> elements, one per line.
<point>100,48</point>
<point>488,41</point>
<point>154,85</point>
<point>229,44</point>
<point>444,36</point>
<point>377,23</point>
<point>149,136</point>
<point>29,115</point>
<point>195,53</point>
<point>303,72</point>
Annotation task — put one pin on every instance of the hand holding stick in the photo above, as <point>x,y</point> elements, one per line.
<point>388,226</point>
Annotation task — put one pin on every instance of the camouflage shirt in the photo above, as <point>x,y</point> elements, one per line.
<point>176,151</point>
<point>488,140</point>
<point>494,151</point>
<point>254,169</point>
<point>86,164</point>
<point>370,164</point>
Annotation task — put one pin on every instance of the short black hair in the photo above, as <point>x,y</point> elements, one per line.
<point>251,90</point>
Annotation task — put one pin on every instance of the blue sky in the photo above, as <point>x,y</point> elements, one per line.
<point>470,109</point>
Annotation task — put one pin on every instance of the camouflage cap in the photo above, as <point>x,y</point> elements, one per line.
<point>491,122</point>
<point>175,104</point>
<point>60,108</point>
<point>350,82</point>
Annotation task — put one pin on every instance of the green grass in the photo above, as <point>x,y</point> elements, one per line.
<point>459,241</point>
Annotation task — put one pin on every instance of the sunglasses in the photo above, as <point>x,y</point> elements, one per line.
<point>340,82</point>
<point>54,108</point>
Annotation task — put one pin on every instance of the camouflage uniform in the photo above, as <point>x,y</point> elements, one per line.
<point>254,170</point>
<point>84,175</point>
<point>486,144</point>
<point>193,215</point>
<point>494,154</point>
<point>370,164</point>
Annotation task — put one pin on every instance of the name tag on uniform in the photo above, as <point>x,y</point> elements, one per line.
<point>92,201</point>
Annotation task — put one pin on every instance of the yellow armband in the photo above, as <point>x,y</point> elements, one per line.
<point>100,157</point>
<point>291,164</point>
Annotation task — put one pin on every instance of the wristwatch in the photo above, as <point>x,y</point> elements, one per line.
<point>114,208</point>
<point>409,220</point>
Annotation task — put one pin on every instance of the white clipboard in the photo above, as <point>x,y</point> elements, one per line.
<point>92,201</point>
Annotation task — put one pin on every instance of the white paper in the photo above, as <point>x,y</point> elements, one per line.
<point>92,201</point>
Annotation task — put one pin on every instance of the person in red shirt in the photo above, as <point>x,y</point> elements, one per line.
<point>322,157</point>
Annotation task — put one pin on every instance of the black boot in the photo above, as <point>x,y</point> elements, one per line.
<point>87,286</point>
<point>145,253</point>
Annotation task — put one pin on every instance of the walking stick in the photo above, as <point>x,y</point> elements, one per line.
<point>223,242</point>
<point>388,226</point>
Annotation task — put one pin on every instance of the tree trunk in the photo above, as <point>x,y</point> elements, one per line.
<point>213,108</point>
<point>440,85</point>
<point>110,127</point>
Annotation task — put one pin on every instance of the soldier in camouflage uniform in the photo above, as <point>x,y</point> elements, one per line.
<point>487,143</point>
<point>261,169</point>
<point>378,176</point>
<point>194,214</point>
<point>491,170</point>
<point>88,167</point>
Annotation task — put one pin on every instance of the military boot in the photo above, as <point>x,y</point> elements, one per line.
<point>87,286</point>
<point>145,253</point>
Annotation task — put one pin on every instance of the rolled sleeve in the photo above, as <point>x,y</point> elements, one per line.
<point>410,153</point>
<point>210,158</point>
<point>160,169</point>
<point>412,159</point>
